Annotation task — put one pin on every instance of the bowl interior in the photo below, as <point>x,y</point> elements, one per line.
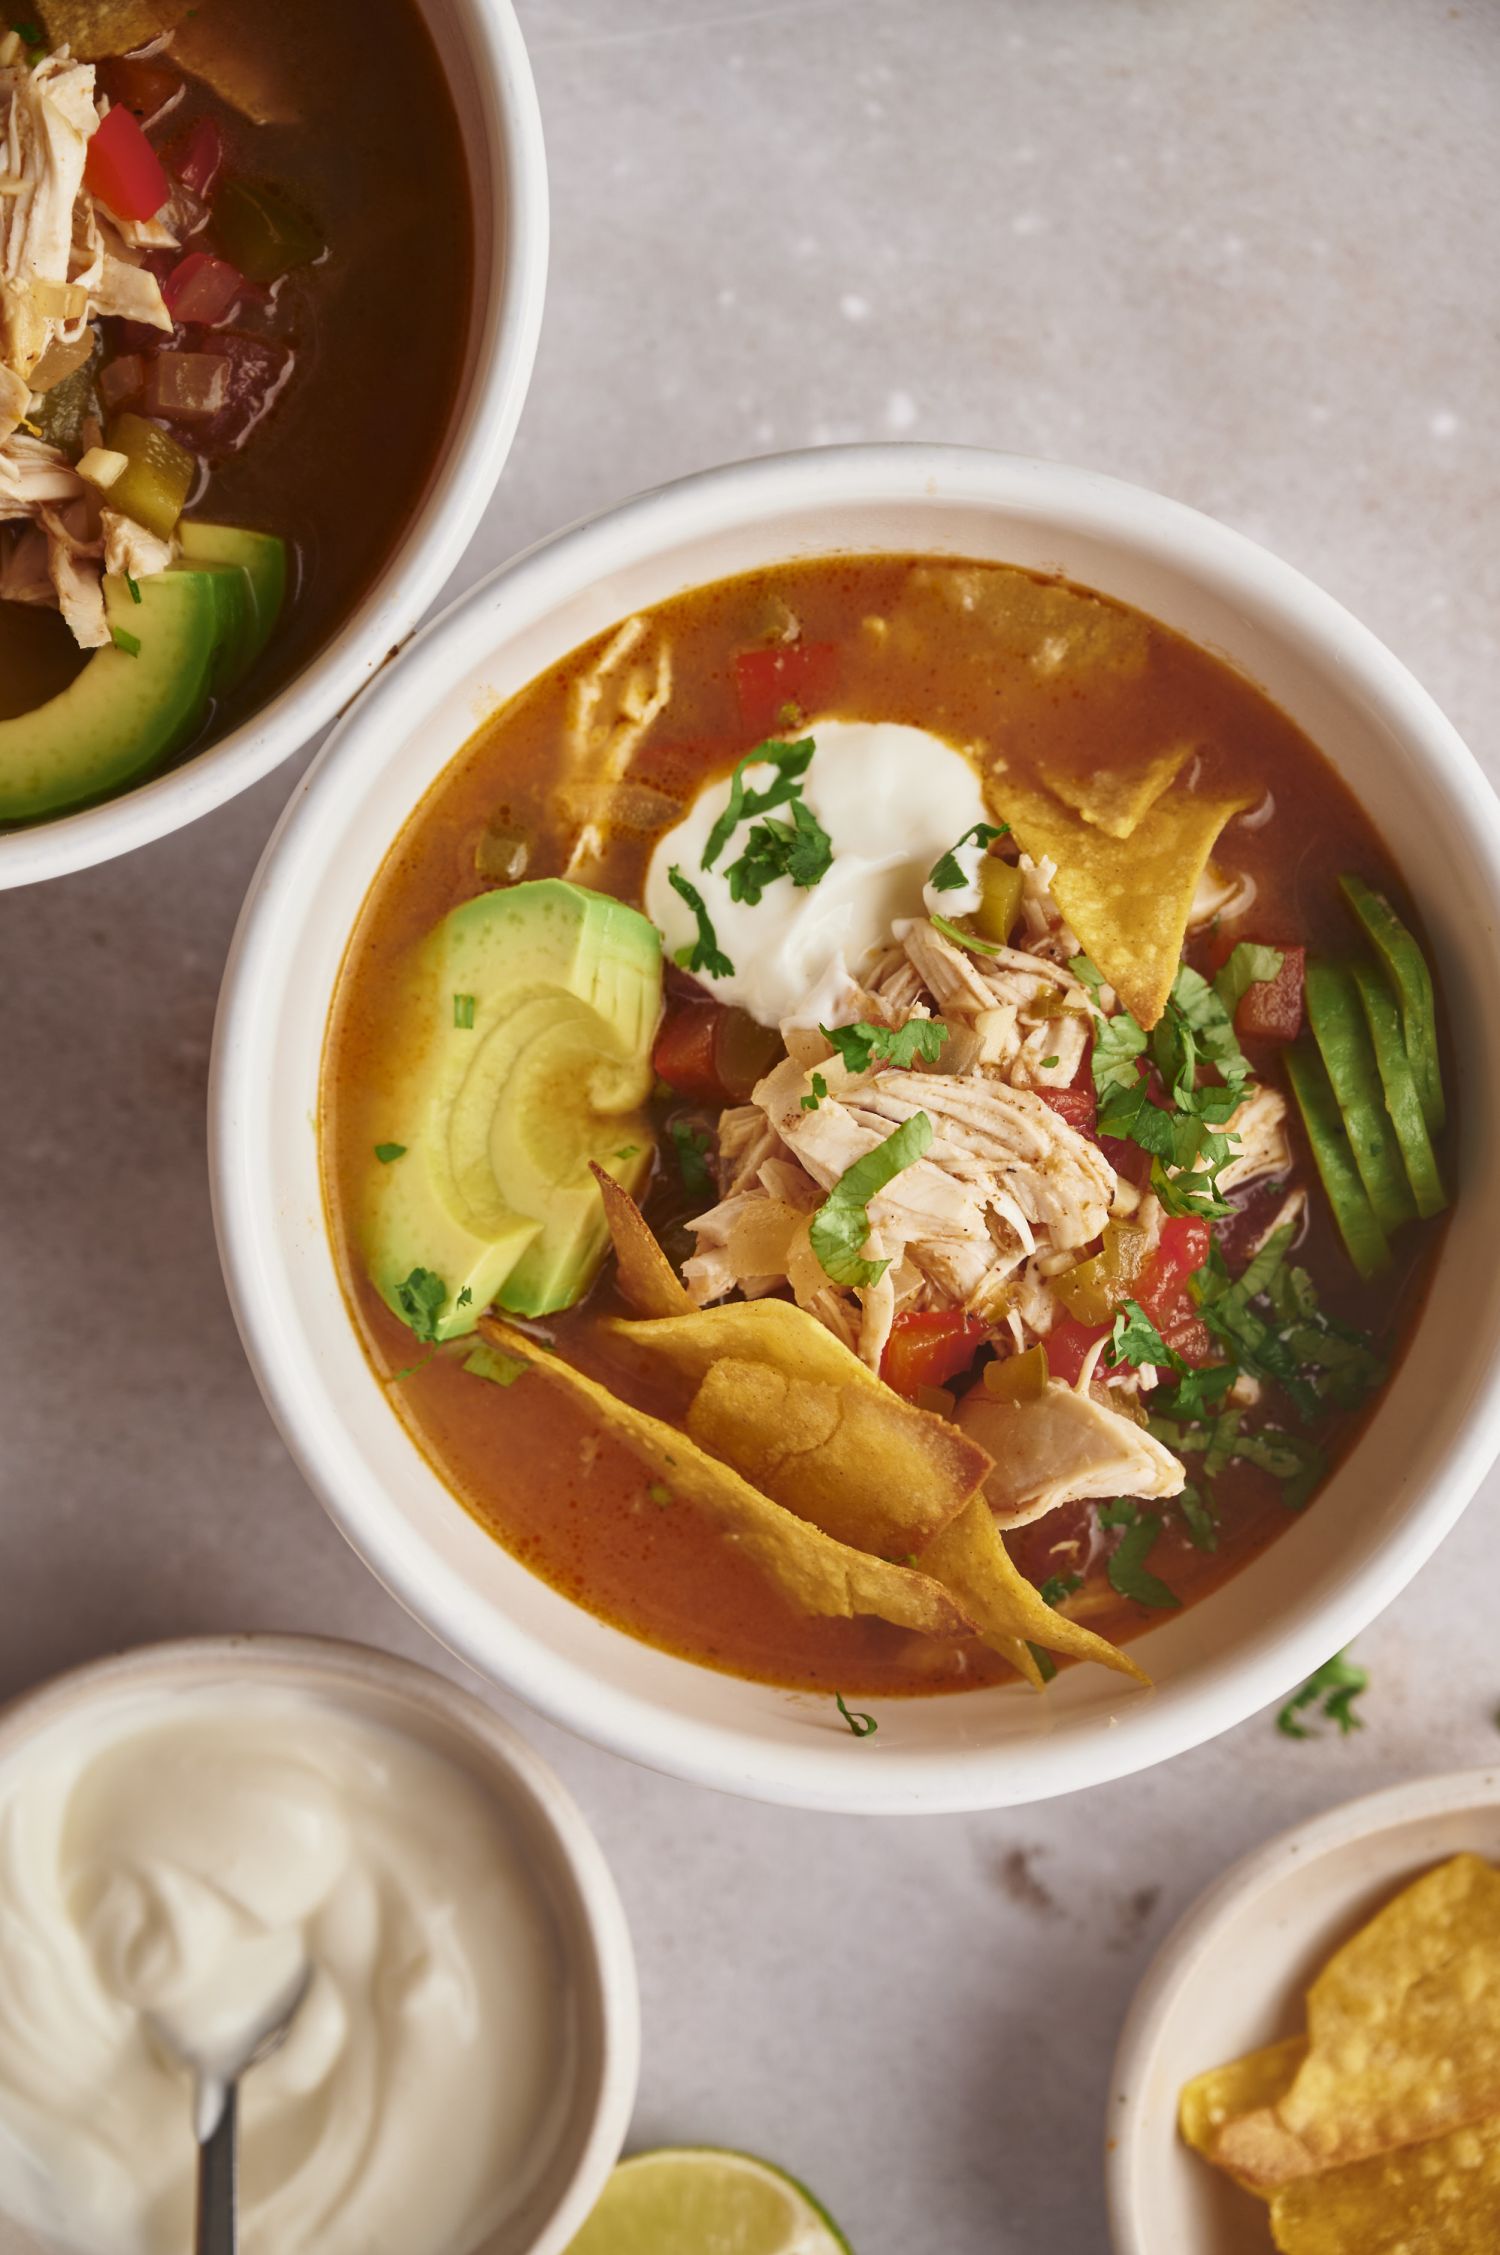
<point>1432,1434</point>
<point>489,79</point>
<point>584,2126</point>
<point>1235,1976</point>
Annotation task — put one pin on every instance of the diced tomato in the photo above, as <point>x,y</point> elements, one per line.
<point>927,1347</point>
<point>258,367</point>
<point>1183,1249</point>
<point>123,170</point>
<point>197,156</point>
<point>1271,1009</point>
<point>709,1050</point>
<point>684,1053</point>
<point>783,673</point>
<point>203,288</point>
<point>1067,1345</point>
<point>1075,1105</point>
<point>136,83</point>
<point>1191,1338</point>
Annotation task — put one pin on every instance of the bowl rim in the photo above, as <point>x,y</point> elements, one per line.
<point>1148,1728</point>
<point>1197,1934</point>
<point>515,1771</point>
<point>435,538</point>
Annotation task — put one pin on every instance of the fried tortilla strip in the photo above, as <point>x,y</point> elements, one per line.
<point>969,1558</point>
<point>812,1571</point>
<point>1438,2198</point>
<point>1129,898</point>
<point>647,1278</point>
<point>792,1409</point>
<point>1403,2029</point>
<point>1223,2094</point>
<point>93,28</point>
<point>989,613</point>
<point>1117,798</point>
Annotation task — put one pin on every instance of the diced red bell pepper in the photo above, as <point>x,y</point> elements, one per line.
<point>783,673</point>
<point>203,288</point>
<point>929,1346</point>
<point>136,83</point>
<point>1075,1105</point>
<point>1067,1345</point>
<point>197,156</point>
<point>123,170</point>
<point>1271,1009</point>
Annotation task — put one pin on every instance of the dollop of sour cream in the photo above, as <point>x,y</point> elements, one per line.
<point>170,1863</point>
<point>892,800</point>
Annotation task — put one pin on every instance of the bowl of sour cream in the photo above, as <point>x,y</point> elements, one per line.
<point>459,2077</point>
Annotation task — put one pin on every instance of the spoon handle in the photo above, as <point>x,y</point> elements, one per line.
<point>216,2233</point>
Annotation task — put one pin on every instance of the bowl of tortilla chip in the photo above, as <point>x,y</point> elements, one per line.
<point>1312,2063</point>
<point>1252,1635</point>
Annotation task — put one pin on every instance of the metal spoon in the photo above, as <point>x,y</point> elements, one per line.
<point>216,2083</point>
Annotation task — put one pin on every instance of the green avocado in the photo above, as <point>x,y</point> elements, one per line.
<point>260,560</point>
<point>520,1049</point>
<point>130,708</point>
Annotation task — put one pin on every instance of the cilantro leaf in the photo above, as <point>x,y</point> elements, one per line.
<point>800,849</point>
<point>791,762</point>
<point>1201,1517</point>
<point>946,874</point>
<point>842,1223</point>
<point>1136,1340</point>
<point>421,1297</point>
<point>465,1298</point>
<point>1247,966</point>
<point>386,1152</point>
<point>692,1145</point>
<point>863,1726</point>
<point>1334,1688</point>
<point>705,954</point>
<point>819,1091</point>
<point>1128,1575</point>
<point>1118,1041</point>
<point>1059,1586</point>
<point>863,1046</point>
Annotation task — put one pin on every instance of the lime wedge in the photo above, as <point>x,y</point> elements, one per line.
<point>699,2200</point>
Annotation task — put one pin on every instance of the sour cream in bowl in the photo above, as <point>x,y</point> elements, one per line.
<point>181,1826</point>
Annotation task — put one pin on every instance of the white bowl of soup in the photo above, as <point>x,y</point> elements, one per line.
<point>225,495</point>
<point>982,920</point>
<point>198,1827</point>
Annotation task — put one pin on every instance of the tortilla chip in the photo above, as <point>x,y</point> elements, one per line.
<point>812,1571</point>
<point>1438,2198</point>
<point>1403,2035</point>
<point>1128,899</point>
<point>1001,611</point>
<point>1224,2094</point>
<point>787,1404</point>
<point>647,1278</point>
<point>1114,798</point>
<point>969,1558</point>
<point>93,28</point>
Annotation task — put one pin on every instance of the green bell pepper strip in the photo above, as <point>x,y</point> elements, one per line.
<point>1402,1099</point>
<point>1364,1239</point>
<point>1348,1053</point>
<point>1411,981</point>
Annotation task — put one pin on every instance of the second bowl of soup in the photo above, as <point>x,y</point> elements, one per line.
<point>839,1162</point>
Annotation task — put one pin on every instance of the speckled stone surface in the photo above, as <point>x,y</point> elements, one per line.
<point>1246,254</point>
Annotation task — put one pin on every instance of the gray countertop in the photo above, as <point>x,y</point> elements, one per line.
<point>1242,252</point>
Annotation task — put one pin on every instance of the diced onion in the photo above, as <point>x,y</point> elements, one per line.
<point>187,384</point>
<point>59,301</point>
<point>102,466</point>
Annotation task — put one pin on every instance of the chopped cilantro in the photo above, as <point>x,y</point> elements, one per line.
<point>705,954</point>
<point>1046,1666</point>
<point>386,1152</point>
<point>1247,966</point>
<point>134,587</point>
<point>628,1151</point>
<point>1059,1586</point>
<point>465,1298</point>
<point>819,1091</point>
<point>1333,1688</point>
<point>129,643</point>
<point>1128,1576</point>
<point>500,1369</point>
<point>1048,1063</point>
<point>1136,1340</point>
<point>692,1145</point>
<point>800,849</point>
<point>791,762</point>
<point>463,1012</point>
<point>1200,1516</point>
<point>946,874</point>
<point>842,1223</point>
<point>863,1046</point>
<point>970,940</point>
<point>863,1726</point>
<point>420,1298</point>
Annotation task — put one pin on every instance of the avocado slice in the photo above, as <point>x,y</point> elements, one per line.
<point>261,557</point>
<point>1411,981</point>
<point>133,704</point>
<point>521,1050</point>
<point>1348,1053</point>
<point>1364,1239</point>
<point>1402,1100</point>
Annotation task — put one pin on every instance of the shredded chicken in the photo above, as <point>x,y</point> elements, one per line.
<point>610,709</point>
<point>1063,1446</point>
<point>1264,1147</point>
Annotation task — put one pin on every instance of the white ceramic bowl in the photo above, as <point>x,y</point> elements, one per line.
<point>489,75</point>
<point>1438,1425</point>
<point>597,1993</point>
<point>1233,1976</point>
